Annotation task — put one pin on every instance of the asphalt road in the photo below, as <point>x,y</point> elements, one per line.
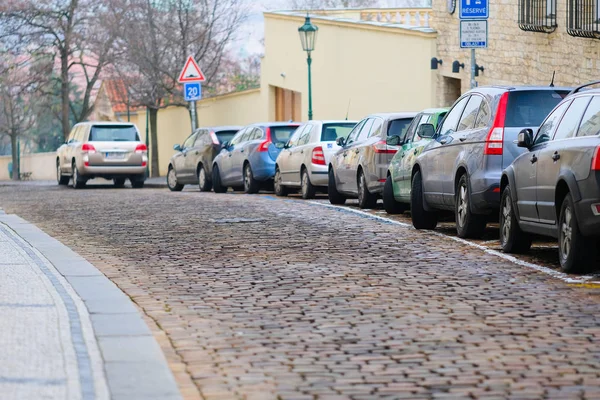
<point>269,298</point>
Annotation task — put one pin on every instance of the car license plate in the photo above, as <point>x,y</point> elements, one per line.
<point>113,155</point>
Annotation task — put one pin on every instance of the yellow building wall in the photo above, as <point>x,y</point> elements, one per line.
<point>41,165</point>
<point>359,68</point>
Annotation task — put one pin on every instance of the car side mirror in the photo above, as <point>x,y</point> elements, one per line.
<point>280,145</point>
<point>393,140</point>
<point>177,147</point>
<point>340,141</point>
<point>426,131</point>
<point>225,145</point>
<point>525,138</point>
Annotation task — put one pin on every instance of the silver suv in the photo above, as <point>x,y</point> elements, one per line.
<point>460,170</point>
<point>109,150</point>
<point>359,168</point>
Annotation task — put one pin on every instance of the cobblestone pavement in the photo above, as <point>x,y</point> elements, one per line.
<point>264,298</point>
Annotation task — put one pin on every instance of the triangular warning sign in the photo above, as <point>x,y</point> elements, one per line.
<point>191,72</point>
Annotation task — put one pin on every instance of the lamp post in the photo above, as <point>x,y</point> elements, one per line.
<point>308,36</point>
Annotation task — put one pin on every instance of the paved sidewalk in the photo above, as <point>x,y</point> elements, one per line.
<point>67,331</point>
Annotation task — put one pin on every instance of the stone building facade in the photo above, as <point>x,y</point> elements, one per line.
<point>515,56</point>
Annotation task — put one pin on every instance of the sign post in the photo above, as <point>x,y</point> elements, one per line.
<point>473,29</point>
<point>191,76</point>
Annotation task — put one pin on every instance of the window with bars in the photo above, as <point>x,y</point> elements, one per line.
<point>538,15</point>
<point>583,18</point>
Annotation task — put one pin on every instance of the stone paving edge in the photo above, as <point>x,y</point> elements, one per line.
<point>140,372</point>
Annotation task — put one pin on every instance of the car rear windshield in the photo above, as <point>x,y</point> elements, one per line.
<point>530,107</point>
<point>332,132</point>
<point>398,127</point>
<point>114,133</point>
<point>281,134</point>
<point>225,136</point>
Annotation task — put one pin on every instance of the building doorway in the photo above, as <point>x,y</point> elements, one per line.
<point>451,91</point>
<point>287,105</point>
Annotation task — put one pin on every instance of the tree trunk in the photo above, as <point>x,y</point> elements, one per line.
<point>16,171</point>
<point>154,171</point>
<point>64,93</point>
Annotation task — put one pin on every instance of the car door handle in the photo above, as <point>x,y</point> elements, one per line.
<point>197,153</point>
<point>415,152</point>
<point>444,141</point>
<point>533,159</point>
<point>242,150</point>
<point>556,156</point>
<point>345,154</point>
<point>402,155</point>
<point>301,151</point>
<point>229,154</point>
<point>357,151</point>
<point>462,139</point>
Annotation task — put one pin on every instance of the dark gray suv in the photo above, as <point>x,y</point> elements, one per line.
<point>553,189</point>
<point>460,170</point>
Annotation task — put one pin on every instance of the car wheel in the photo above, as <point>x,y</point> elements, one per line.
<point>512,238</point>
<point>365,198</point>
<point>119,182</point>
<point>172,181</point>
<point>421,218</point>
<point>468,225</point>
<point>78,180</point>
<point>307,188</point>
<point>390,204</point>
<point>280,190</point>
<point>250,184</point>
<point>60,178</point>
<point>335,197</point>
<point>217,186</point>
<point>203,182</point>
<point>576,253</point>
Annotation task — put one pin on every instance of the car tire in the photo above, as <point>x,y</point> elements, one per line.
<point>78,180</point>
<point>119,182</point>
<point>307,189</point>
<point>279,189</point>
<point>468,225</point>
<point>390,204</point>
<point>60,178</point>
<point>335,197</point>
<point>216,181</point>
<point>137,183</point>
<point>512,238</point>
<point>172,183</point>
<point>204,184</point>
<point>421,218</point>
<point>576,253</point>
<point>365,198</point>
<point>251,185</point>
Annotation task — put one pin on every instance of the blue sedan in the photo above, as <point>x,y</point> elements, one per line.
<point>248,160</point>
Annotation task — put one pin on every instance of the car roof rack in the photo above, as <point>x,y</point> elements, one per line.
<point>578,88</point>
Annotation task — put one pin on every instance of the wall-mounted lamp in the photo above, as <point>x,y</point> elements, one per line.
<point>435,62</point>
<point>456,66</point>
<point>477,69</point>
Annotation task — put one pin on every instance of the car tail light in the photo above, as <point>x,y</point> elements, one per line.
<point>596,160</point>
<point>144,163</point>
<point>264,146</point>
<point>317,156</point>
<point>214,138</point>
<point>494,143</point>
<point>88,148</point>
<point>381,147</point>
<point>141,149</point>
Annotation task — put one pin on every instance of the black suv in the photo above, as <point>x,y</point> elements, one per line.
<point>554,188</point>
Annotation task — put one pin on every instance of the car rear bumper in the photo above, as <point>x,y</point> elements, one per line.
<point>318,175</point>
<point>111,171</point>
<point>485,191</point>
<point>263,167</point>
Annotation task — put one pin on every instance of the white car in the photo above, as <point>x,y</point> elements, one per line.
<point>302,163</point>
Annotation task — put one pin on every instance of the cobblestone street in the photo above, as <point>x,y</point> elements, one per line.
<point>258,297</point>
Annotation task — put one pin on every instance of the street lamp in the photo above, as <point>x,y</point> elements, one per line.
<point>308,36</point>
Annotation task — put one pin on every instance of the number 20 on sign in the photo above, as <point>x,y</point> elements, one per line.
<point>192,91</point>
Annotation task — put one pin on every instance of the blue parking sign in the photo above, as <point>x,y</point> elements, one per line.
<point>474,9</point>
<point>192,91</point>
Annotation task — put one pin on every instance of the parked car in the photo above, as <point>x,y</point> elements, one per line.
<point>109,150</point>
<point>359,167</point>
<point>460,170</point>
<point>303,161</point>
<point>248,160</point>
<point>192,164</point>
<point>553,189</point>
<point>396,191</point>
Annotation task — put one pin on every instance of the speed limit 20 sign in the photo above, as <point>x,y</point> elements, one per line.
<point>192,91</point>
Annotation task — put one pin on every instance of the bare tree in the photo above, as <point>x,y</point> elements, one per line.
<point>70,30</point>
<point>324,4</point>
<point>157,36</point>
